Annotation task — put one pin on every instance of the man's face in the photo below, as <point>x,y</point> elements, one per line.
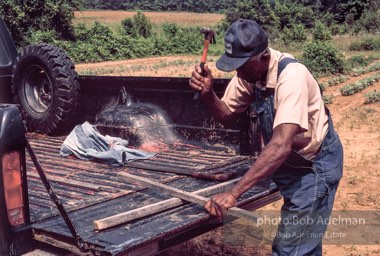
<point>255,68</point>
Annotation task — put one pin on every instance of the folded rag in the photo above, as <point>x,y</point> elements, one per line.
<point>85,142</point>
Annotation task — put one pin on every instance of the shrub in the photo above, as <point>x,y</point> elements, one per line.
<point>160,45</point>
<point>96,31</point>
<point>40,36</point>
<point>138,25</point>
<point>374,67</point>
<point>182,40</point>
<point>357,61</point>
<point>142,25</point>
<point>170,29</point>
<point>294,34</point>
<point>100,43</point>
<point>127,25</point>
<point>338,29</point>
<point>328,99</point>
<point>187,40</point>
<point>323,58</point>
<point>363,70</point>
<point>222,26</point>
<point>23,18</point>
<point>372,97</point>
<point>367,44</point>
<point>260,11</point>
<point>369,21</point>
<point>291,12</point>
<point>321,32</point>
<point>336,80</point>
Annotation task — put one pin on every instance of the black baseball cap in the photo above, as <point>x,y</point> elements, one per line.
<point>244,39</point>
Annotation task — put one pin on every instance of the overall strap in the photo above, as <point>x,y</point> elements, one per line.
<point>264,105</point>
<point>283,63</point>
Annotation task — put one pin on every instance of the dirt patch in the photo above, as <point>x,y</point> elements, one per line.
<point>356,123</point>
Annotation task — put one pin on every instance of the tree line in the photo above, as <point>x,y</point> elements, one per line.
<point>25,17</point>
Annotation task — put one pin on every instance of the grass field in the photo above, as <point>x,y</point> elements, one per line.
<point>114,18</point>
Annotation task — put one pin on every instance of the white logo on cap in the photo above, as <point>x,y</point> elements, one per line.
<point>228,48</point>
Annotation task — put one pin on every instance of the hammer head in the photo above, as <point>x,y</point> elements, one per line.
<point>209,34</point>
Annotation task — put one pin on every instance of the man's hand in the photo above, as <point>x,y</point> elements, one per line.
<point>203,82</point>
<point>199,82</point>
<point>219,204</point>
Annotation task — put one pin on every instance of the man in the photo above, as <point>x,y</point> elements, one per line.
<point>302,154</point>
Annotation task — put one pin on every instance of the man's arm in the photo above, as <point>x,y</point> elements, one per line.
<point>272,157</point>
<point>217,107</point>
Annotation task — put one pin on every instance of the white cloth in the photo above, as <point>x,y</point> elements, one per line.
<point>85,142</point>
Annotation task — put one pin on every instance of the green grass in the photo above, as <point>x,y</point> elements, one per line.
<point>343,42</point>
<point>359,86</point>
<point>337,80</point>
<point>328,99</point>
<point>372,97</point>
<point>364,70</point>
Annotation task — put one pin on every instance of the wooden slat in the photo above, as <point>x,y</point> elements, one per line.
<point>197,199</point>
<point>157,207</point>
<point>69,182</point>
<point>226,162</point>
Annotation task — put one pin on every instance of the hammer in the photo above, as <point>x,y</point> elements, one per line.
<point>209,39</point>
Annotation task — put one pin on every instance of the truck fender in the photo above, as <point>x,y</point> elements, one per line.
<point>45,85</point>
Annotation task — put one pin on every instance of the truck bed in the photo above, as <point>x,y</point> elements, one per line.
<point>91,191</point>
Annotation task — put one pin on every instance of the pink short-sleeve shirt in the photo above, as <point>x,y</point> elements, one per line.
<point>297,100</point>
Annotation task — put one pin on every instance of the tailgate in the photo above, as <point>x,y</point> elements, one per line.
<point>92,191</point>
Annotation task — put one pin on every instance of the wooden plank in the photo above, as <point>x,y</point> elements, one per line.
<point>226,162</point>
<point>200,171</point>
<point>144,211</point>
<point>69,182</point>
<point>161,167</point>
<point>45,238</point>
<point>197,199</point>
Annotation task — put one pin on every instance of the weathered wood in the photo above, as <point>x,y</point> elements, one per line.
<point>226,162</point>
<point>194,198</point>
<point>144,211</point>
<point>199,171</point>
<point>69,182</point>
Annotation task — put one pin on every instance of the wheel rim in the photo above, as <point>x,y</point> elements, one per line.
<point>38,89</point>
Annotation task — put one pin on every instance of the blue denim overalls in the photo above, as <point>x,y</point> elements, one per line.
<point>308,187</point>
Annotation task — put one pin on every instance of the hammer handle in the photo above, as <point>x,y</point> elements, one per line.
<point>197,94</point>
<point>202,66</point>
<point>205,49</point>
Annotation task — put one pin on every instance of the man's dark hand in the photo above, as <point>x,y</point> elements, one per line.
<point>201,82</point>
<point>219,204</point>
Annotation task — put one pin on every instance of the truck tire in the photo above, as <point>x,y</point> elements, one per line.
<point>45,85</point>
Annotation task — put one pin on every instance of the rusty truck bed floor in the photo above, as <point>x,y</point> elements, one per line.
<point>92,191</point>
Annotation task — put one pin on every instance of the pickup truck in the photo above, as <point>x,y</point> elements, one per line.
<point>54,200</point>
